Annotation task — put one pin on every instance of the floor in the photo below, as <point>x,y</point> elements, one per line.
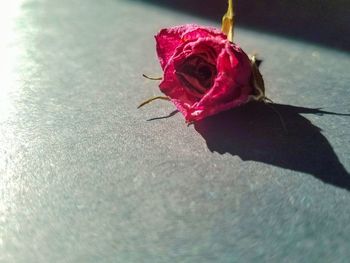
<point>88,177</point>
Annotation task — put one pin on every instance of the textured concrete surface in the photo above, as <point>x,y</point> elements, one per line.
<point>86,177</point>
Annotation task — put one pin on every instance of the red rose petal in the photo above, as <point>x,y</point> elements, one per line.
<point>168,39</point>
<point>197,45</point>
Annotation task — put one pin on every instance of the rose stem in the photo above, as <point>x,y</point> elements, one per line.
<point>228,21</point>
<point>151,78</point>
<point>152,99</point>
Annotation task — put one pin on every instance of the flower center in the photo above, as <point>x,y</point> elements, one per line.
<point>196,74</point>
<point>204,73</point>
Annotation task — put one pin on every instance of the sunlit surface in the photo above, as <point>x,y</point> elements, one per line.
<point>9,59</point>
<point>84,177</point>
<point>9,54</point>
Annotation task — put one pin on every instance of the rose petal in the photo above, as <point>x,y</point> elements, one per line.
<point>168,39</point>
<point>231,85</point>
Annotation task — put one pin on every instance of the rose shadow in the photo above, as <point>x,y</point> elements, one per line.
<point>171,114</point>
<point>254,132</point>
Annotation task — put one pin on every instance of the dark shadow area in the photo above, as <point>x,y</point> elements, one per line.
<point>171,114</point>
<point>323,22</point>
<point>254,132</point>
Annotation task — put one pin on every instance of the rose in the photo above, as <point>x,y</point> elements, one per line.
<point>204,73</point>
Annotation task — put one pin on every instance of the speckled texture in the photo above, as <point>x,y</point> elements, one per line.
<point>86,178</point>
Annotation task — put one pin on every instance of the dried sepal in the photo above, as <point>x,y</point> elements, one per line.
<point>151,78</point>
<point>153,99</point>
<point>258,81</point>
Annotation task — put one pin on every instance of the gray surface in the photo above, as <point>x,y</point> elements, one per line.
<point>86,178</point>
<point>323,22</point>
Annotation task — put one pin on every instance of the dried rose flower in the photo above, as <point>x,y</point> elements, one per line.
<point>204,73</point>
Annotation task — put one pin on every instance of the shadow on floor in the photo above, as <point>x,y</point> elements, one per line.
<point>321,22</point>
<point>254,132</point>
